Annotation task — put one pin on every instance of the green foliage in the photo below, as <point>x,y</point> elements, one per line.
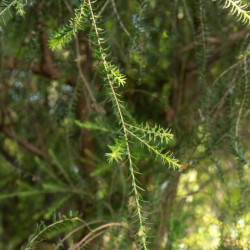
<point>60,223</point>
<point>18,4</point>
<point>239,10</point>
<point>97,125</point>
<point>113,78</point>
<point>70,137</point>
<point>118,150</point>
<point>65,34</point>
<point>156,133</point>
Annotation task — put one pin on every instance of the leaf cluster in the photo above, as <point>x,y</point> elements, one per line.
<point>67,32</point>
<point>60,223</point>
<point>239,10</point>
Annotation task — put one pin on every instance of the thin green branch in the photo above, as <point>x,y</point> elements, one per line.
<point>164,157</point>
<point>8,6</point>
<point>157,131</point>
<point>40,233</point>
<point>19,7</point>
<point>142,228</point>
<point>65,35</point>
<point>239,10</point>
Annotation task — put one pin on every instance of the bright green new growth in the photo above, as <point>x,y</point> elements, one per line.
<point>18,4</point>
<point>118,150</point>
<point>63,36</point>
<point>238,9</point>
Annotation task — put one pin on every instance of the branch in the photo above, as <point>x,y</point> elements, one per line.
<point>77,245</point>
<point>142,228</point>
<point>98,108</point>
<point>242,103</point>
<point>119,19</point>
<point>33,149</point>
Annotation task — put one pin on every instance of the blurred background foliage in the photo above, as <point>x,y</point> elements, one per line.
<point>187,68</point>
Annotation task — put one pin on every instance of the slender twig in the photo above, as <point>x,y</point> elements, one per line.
<point>119,19</point>
<point>242,103</point>
<point>98,109</point>
<point>103,8</point>
<point>203,40</point>
<point>226,71</point>
<point>99,14</point>
<point>112,224</point>
<point>162,156</point>
<point>95,236</point>
<point>52,225</point>
<point>105,64</point>
<point>76,230</point>
<point>8,7</point>
<point>166,132</point>
<point>220,103</point>
<point>68,7</point>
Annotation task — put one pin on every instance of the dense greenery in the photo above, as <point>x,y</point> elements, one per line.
<point>124,124</point>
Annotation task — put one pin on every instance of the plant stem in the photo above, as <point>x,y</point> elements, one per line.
<point>105,64</point>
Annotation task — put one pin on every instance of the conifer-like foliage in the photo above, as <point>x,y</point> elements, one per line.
<point>42,231</point>
<point>114,79</point>
<point>134,114</point>
<point>18,4</point>
<point>239,10</point>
